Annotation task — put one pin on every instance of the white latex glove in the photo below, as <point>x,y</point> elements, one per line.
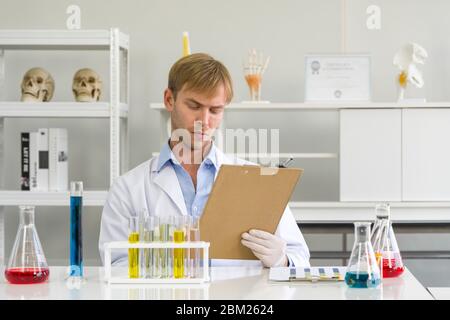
<point>268,248</point>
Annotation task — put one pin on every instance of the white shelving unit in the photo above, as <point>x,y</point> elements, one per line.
<point>264,107</point>
<point>280,155</point>
<point>115,110</point>
<point>337,211</point>
<point>50,198</point>
<point>59,110</point>
<point>275,106</point>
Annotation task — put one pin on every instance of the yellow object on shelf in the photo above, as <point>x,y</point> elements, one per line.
<point>403,79</point>
<point>186,45</point>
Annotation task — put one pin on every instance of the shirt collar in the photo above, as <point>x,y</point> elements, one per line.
<point>211,158</point>
<point>166,155</point>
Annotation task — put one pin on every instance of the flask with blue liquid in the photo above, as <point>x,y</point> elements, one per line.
<point>362,269</point>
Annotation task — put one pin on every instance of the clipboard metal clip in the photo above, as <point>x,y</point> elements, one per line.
<point>285,163</point>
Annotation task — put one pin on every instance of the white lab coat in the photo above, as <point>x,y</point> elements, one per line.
<point>160,194</point>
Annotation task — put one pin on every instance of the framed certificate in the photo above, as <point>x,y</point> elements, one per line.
<point>340,77</point>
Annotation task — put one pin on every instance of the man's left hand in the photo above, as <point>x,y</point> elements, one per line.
<point>268,248</point>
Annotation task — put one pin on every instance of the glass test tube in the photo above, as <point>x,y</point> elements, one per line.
<point>187,252</point>
<point>76,235</point>
<point>133,253</point>
<point>142,218</point>
<point>180,234</point>
<point>166,235</point>
<point>194,259</point>
<point>152,255</point>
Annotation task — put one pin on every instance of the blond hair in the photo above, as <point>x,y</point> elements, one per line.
<point>200,72</point>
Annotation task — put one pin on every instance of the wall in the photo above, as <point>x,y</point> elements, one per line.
<point>284,29</point>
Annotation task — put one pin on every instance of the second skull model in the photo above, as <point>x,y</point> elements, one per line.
<point>87,86</point>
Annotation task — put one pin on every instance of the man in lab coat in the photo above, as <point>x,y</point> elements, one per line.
<point>179,180</point>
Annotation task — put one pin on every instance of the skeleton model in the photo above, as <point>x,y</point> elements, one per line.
<point>37,86</point>
<point>406,59</point>
<point>254,68</point>
<point>87,86</point>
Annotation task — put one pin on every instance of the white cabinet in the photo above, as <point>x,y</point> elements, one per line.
<point>370,155</point>
<point>399,154</point>
<point>426,155</point>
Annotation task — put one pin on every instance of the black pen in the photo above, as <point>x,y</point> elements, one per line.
<point>285,163</point>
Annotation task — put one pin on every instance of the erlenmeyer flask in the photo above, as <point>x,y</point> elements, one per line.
<point>378,236</point>
<point>385,244</point>
<point>362,269</point>
<point>27,263</point>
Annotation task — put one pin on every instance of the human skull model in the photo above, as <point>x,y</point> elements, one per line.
<point>87,86</point>
<point>37,86</point>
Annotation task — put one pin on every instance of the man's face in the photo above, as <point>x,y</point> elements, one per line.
<point>199,114</point>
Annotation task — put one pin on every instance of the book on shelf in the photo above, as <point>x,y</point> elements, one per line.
<point>34,161</point>
<point>25,160</point>
<point>42,149</point>
<point>58,159</point>
<point>44,160</point>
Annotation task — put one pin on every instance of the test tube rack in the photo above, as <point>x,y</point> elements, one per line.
<point>156,245</point>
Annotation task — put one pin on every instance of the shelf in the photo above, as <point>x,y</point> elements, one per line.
<point>58,109</point>
<point>279,155</point>
<point>348,212</point>
<point>59,39</point>
<point>51,198</point>
<point>304,212</point>
<point>321,106</point>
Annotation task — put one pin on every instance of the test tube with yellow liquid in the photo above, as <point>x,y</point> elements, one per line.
<point>179,236</point>
<point>133,253</point>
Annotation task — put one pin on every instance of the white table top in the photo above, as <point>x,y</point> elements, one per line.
<point>440,293</point>
<point>235,283</point>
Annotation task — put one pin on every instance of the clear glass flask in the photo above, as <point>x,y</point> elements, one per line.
<point>362,269</point>
<point>385,244</point>
<point>27,263</point>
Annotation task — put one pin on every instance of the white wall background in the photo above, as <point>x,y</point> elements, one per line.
<point>284,29</point>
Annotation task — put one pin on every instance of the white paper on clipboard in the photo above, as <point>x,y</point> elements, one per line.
<point>329,273</point>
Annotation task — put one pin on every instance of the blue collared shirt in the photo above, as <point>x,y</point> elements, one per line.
<point>194,200</point>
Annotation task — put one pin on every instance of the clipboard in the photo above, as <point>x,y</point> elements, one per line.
<point>244,197</point>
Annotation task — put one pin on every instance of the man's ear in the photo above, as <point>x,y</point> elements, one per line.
<point>169,100</point>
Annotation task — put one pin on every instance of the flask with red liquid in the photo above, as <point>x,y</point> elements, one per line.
<point>27,263</point>
<point>385,244</point>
